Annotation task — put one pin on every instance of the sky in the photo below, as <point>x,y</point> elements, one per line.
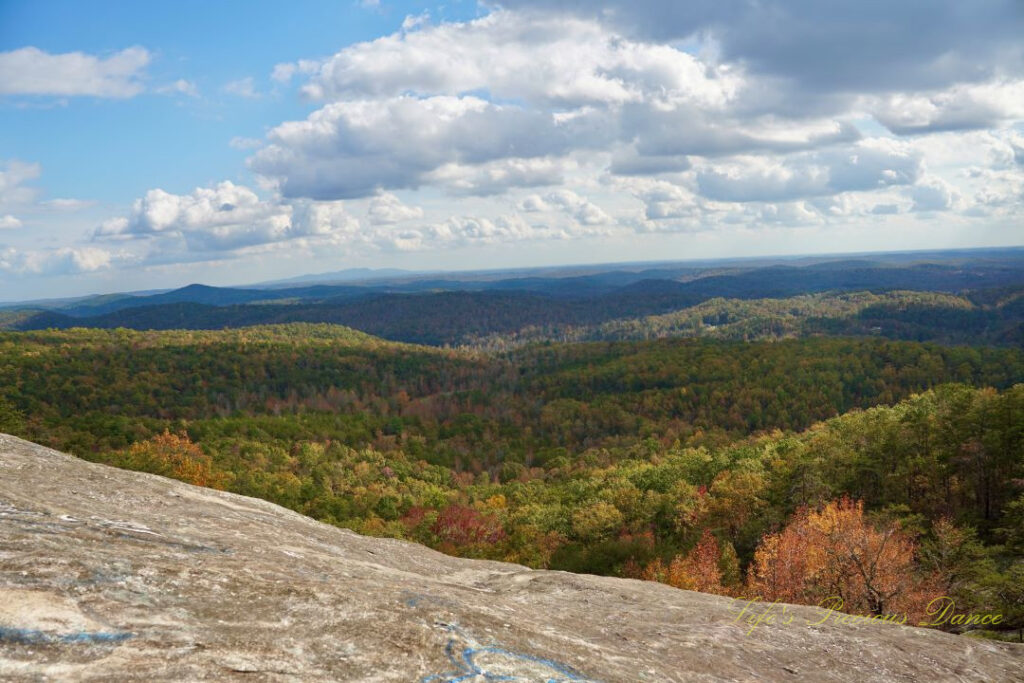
<point>149,145</point>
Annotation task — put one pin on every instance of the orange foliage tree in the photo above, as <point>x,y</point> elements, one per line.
<point>173,455</point>
<point>837,553</point>
<point>699,570</point>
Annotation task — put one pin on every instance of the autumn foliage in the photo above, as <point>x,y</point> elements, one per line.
<point>702,569</point>
<point>836,552</point>
<point>173,455</point>
<point>461,525</point>
<point>821,555</point>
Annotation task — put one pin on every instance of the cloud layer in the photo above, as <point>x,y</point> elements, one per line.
<point>555,120</point>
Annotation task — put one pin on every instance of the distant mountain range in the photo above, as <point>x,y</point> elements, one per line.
<point>347,275</point>
<point>444,309</point>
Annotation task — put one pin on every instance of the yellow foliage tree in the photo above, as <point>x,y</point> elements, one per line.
<point>176,456</point>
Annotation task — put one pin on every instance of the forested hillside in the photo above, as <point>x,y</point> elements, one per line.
<point>917,316</point>
<point>505,320</point>
<point>975,299</point>
<point>671,459</point>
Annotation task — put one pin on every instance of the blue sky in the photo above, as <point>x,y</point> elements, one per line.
<point>115,150</point>
<point>147,145</point>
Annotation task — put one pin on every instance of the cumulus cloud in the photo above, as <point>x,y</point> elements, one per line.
<point>500,102</point>
<point>580,119</point>
<point>318,219</point>
<point>790,214</point>
<point>457,231</point>
<point>845,45</point>
<point>227,220</point>
<point>684,130</point>
<point>496,177</point>
<point>405,110</point>
<point>557,60</point>
<point>885,209</point>
<point>225,204</point>
<point>584,211</point>
<point>225,217</point>
<point>353,149</point>
<point>995,192</point>
<point>871,164</point>
<point>933,194</point>
<point>386,209</point>
<point>665,200</point>
<point>961,107</point>
<point>9,222</point>
<point>62,261</point>
<point>31,71</point>
<point>629,161</point>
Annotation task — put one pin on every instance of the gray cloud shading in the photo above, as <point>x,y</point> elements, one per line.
<point>874,45</point>
<point>845,169</point>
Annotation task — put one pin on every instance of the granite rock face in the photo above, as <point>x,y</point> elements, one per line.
<point>115,575</point>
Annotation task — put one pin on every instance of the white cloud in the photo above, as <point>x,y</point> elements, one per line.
<point>402,118</point>
<point>685,130</point>
<point>820,48</point>
<point>226,217</point>
<point>67,204</point>
<point>18,196</point>
<point>31,71</point>
<point>581,209</point>
<point>386,209</point>
<point>554,60</point>
<point>226,204</point>
<point>870,164</point>
<point>228,220</point>
<point>353,149</point>
<point>995,192</point>
<point>665,200</point>
<point>933,194</point>
<point>496,177</point>
<point>554,119</point>
<point>789,214</point>
<point>179,87</point>
<point>284,72</point>
<point>629,161</point>
<point>243,87</point>
<point>312,219</point>
<point>414,21</point>
<point>62,261</point>
<point>962,106</point>
<point>13,191</point>
<point>509,228</point>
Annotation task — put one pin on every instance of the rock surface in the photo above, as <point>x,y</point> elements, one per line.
<point>108,574</point>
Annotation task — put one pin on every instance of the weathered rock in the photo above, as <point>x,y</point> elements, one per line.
<point>108,574</point>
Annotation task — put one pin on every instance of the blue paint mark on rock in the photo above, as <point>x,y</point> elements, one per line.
<point>28,636</point>
<point>493,663</point>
